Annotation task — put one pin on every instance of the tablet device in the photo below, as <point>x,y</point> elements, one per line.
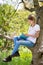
<point>23,36</point>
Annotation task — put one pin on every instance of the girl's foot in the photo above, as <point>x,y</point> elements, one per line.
<point>8,59</point>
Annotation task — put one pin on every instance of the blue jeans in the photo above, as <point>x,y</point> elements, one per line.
<point>18,41</point>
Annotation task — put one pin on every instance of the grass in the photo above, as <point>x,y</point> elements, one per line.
<point>24,59</point>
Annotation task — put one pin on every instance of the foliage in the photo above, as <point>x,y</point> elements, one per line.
<point>11,21</point>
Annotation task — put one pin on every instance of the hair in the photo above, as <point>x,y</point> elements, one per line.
<point>32,17</point>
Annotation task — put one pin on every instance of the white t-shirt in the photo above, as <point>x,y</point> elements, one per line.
<point>32,30</point>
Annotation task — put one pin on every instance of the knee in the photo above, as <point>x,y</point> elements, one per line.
<point>17,42</point>
<point>15,38</point>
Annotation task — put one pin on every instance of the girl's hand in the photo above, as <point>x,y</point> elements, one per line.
<point>26,34</point>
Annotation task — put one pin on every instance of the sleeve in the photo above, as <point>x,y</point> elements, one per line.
<point>37,28</point>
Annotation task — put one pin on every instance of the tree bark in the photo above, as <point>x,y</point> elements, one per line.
<point>38,49</point>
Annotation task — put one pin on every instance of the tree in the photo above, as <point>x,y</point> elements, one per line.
<point>38,55</point>
<point>38,49</point>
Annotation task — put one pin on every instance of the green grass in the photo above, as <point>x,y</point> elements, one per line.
<point>24,59</point>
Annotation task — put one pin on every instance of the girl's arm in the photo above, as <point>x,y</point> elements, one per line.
<point>35,36</point>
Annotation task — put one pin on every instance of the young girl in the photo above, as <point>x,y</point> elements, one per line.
<point>33,34</point>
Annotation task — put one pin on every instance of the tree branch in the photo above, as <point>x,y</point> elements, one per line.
<point>5,36</point>
<point>36,5</point>
<point>31,10</point>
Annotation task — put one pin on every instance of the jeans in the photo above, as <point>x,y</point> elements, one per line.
<point>18,41</point>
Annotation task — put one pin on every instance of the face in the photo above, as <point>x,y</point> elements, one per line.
<point>31,22</point>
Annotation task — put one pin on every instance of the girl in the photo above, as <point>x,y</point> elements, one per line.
<point>29,41</point>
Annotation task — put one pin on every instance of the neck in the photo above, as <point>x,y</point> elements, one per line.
<point>33,25</point>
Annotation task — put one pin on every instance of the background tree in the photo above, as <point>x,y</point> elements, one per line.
<point>38,50</point>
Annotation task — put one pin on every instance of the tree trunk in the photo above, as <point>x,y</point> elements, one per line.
<point>38,49</point>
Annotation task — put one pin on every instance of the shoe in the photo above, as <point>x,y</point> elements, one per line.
<point>8,59</point>
<point>16,54</point>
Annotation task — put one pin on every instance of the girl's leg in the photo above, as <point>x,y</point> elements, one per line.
<point>17,44</point>
<point>22,42</point>
<point>16,39</point>
<point>9,58</point>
